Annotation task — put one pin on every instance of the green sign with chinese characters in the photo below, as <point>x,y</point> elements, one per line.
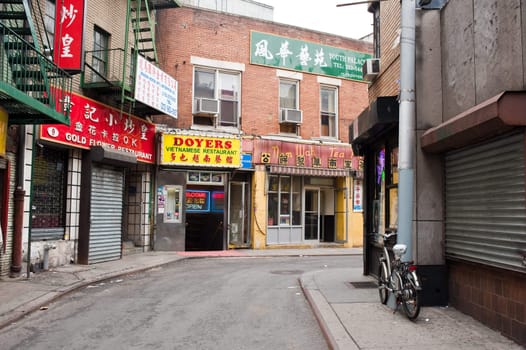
<point>282,52</point>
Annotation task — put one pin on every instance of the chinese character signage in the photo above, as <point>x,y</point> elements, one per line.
<point>274,152</point>
<point>155,88</point>
<point>95,124</point>
<point>358,196</point>
<point>69,31</point>
<point>200,151</point>
<point>283,52</point>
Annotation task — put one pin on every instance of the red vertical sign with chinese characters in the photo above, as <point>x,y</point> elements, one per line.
<point>69,32</point>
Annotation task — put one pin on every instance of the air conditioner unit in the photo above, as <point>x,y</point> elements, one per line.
<point>370,69</point>
<point>206,106</point>
<point>288,115</point>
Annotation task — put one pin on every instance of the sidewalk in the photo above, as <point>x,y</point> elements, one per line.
<point>350,317</point>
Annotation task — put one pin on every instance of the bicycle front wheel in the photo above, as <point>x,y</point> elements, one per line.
<point>383,281</point>
<point>410,300</point>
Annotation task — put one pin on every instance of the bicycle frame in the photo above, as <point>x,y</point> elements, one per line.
<point>400,279</point>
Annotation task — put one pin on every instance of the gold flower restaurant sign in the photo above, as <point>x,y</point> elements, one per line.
<point>194,150</point>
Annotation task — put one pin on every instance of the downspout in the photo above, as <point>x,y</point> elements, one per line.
<point>406,132</point>
<point>18,220</point>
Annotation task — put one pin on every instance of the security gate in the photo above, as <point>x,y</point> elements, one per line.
<point>486,203</point>
<point>106,214</point>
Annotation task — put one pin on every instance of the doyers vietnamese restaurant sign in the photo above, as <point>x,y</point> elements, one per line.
<point>95,124</point>
<point>195,150</point>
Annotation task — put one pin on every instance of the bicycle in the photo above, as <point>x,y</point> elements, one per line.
<point>399,278</point>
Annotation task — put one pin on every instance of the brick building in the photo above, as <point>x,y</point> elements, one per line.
<point>283,97</point>
<point>80,152</point>
<point>469,227</point>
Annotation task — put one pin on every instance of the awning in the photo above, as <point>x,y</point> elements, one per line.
<point>290,170</point>
<point>488,119</point>
<point>379,117</point>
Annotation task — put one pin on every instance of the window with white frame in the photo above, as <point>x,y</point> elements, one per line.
<point>288,100</point>
<point>217,97</point>
<point>328,111</point>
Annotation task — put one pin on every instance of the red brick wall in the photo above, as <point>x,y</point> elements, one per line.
<point>186,32</point>
<point>495,297</point>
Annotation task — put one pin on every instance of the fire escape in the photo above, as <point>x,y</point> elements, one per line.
<point>117,81</point>
<point>32,87</point>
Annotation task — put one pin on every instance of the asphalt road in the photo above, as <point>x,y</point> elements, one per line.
<point>206,303</point>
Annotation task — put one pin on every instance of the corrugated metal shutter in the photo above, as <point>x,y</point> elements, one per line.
<point>486,203</point>
<point>106,215</point>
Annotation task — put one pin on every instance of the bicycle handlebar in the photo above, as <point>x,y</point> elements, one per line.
<point>387,235</point>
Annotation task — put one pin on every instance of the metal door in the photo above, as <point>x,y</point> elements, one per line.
<point>238,214</point>
<point>170,234</point>
<point>311,214</point>
<point>105,215</point>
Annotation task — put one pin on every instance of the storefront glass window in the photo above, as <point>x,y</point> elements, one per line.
<point>296,201</point>
<point>284,200</point>
<point>393,191</point>
<point>49,194</point>
<point>173,199</point>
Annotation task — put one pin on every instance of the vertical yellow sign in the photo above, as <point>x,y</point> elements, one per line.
<point>3,131</point>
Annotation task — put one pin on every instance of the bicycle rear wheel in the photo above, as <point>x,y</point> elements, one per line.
<point>383,282</point>
<point>410,300</point>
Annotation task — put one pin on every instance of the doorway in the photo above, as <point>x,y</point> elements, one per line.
<point>238,214</point>
<point>311,214</point>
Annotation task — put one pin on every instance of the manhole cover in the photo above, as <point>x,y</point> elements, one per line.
<point>364,285</point>
<point>286,272</point>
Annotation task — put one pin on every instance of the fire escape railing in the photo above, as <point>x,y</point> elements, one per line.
<point>33,90</point>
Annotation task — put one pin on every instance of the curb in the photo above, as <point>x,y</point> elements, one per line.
<point>336,335</point>
<point>36,304</point>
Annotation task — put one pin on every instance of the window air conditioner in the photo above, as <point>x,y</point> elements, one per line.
<point>206,106</point>
<point>370,69</point>
<point>288,115</point>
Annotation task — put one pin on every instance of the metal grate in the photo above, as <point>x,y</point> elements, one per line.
<point>363,285</point>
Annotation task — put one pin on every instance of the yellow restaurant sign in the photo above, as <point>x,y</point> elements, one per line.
<point>200,151</point>
<point>3,131</point>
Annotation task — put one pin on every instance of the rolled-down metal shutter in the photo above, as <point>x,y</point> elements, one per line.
<point>106,215</point>
<point>486,203</point>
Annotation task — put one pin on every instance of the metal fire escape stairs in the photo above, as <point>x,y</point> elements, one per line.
<point>33,90</point>
<point>141,18</point>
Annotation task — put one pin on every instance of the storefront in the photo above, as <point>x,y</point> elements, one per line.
<point>374,135</point>
<point>92,183</point>
<point>203,194</point>
<point>303,193</point>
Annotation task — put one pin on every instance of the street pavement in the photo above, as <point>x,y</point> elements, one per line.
<point>350,316</point>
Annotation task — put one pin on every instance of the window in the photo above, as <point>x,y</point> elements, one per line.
<point>99,62</point>
<point>328,108</point>
<point>49,194</point>
<point>216,97</point>
<point>288,99</point>
<point>49,26</point>
<point>171,200</point>
<point>284,200</point>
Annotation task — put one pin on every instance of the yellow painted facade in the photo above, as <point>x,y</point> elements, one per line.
<point>349,224</point>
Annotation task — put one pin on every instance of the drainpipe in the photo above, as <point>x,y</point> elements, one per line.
<point>18,220</point>
<point>406,132</point>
